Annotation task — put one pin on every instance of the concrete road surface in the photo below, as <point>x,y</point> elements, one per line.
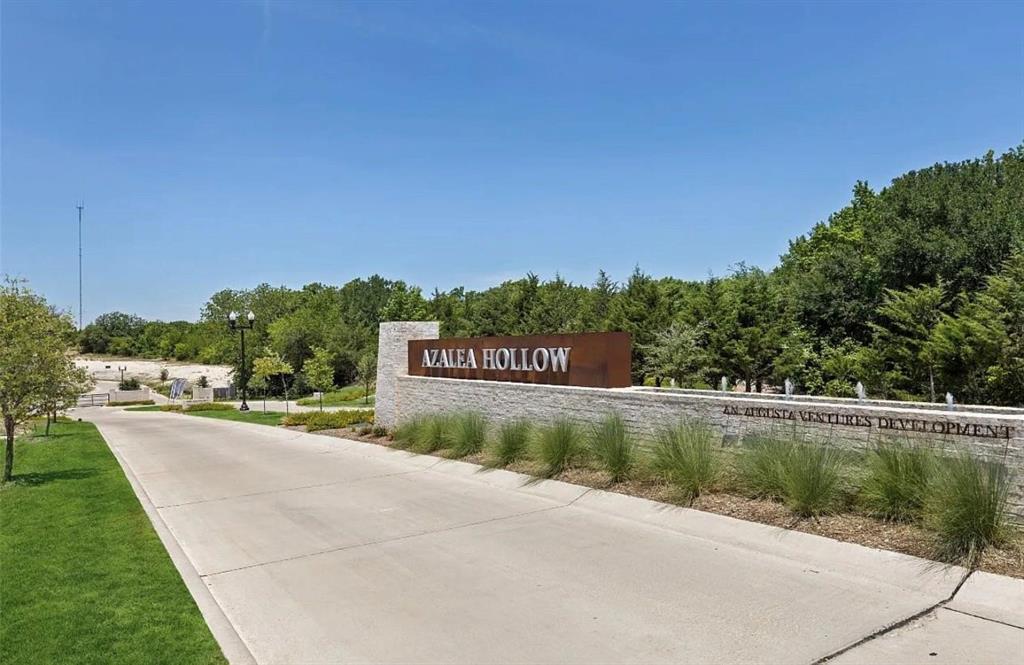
<point>308,549</point>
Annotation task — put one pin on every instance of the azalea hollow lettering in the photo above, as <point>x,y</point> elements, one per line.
<point>884,423</point>
<point>597,360</point>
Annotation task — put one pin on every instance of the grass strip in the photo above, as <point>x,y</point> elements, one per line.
<point>85,577</point>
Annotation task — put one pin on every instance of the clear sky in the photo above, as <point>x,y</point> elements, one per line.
<point>226,144</point>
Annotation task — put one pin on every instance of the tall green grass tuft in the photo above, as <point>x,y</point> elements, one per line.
<point>467,435</point>
<point>761,465</point>
<point>812,480</point>
<point>433,434</point>
<point>807,478</point>
<point>510,444</point>
<point>613,447</point>
<point>557,446</point>
<point>406,432</point>
<point>966,506</point>
<point>897,479</point>
<point>684,456</point>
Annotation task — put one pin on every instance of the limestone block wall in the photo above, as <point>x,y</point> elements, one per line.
<point>130,395</point>
<point>996,434</point>
<point>392,362</point>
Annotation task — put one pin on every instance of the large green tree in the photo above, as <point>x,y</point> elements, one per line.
<point>36,370</point>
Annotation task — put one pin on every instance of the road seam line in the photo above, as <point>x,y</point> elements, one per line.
<point>983,618</point>
<point>385,541</point>
<point>898,624</point>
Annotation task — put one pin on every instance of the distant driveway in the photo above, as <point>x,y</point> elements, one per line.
<point>322,550</point>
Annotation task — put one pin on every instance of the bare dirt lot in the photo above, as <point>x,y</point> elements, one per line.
<point>106,369</point>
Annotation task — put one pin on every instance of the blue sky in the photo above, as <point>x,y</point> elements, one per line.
<point>226,144</point>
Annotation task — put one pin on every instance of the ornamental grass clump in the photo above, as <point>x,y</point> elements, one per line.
<point>612,447</point>
<point>761,466</point>
<point>896,482</point>
<point>510,443</point>
<point>467,435</point>
<point>812,480</point>
<point>407,431</point>
<point>557,446</point>
<point>966,507</point>
<point>684,456</point>
<point>433,434</point>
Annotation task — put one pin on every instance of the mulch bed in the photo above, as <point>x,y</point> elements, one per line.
<point>847,527</point>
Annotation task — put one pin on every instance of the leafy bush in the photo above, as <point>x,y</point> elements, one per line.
<point>684,456</point>
<point>468,432</point>
<point>613,447</point>
<point>511,442</point>
<point>897,481</point>
<point>209,406</point>
<point>379,430</point>
<point>812,480</point>
<point>131,383</point>
<point>557,446</point>
<point>761,465</point>
<point>966,506</point>
<point>203,382</point>
<point>170,407</point>
<point>321,420</point>
<point>434,433</point>
<point>164,374</point>
<point>130,402</point>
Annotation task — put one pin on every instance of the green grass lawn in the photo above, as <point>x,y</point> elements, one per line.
<point>351,396</point>
<point>254,416</point>
<point>83,576</point>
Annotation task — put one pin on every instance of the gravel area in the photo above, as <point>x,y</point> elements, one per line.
<point>106,369</point>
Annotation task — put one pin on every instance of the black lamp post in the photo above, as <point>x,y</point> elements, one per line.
<point>122,368</point>
<point>243,377</point>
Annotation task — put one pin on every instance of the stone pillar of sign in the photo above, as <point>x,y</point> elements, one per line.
<point>393,361</point>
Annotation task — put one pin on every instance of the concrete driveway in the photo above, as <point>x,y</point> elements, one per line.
<point>308,549</point>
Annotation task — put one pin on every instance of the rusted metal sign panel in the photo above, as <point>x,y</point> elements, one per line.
<point>596,360</point>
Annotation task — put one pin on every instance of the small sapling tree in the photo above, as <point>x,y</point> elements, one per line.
<point>366,368</point>
<point>34,343</point>
<point>319,372</point>
<point>268,366</point>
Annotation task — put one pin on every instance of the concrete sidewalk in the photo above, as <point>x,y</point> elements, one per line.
<point>320,550</point>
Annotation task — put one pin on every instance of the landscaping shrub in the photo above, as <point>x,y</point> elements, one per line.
<point>468,432</point>
<point>131,402</point>
<point>761,465</point>
<point>966,506</point>
<point>557,446</point>
<point>170,407</point>
<point>812,480</point>
<point>897,480</point>
<point>684,456</point>
<point>131,383</point>
<point>321,420</point>
<point>295,419</point>
<point>612,447</point>
<point>433,434</point>
<point>379,430</point>
<point>511,442</point>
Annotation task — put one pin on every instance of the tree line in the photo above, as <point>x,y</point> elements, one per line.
<point>913,290</point>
